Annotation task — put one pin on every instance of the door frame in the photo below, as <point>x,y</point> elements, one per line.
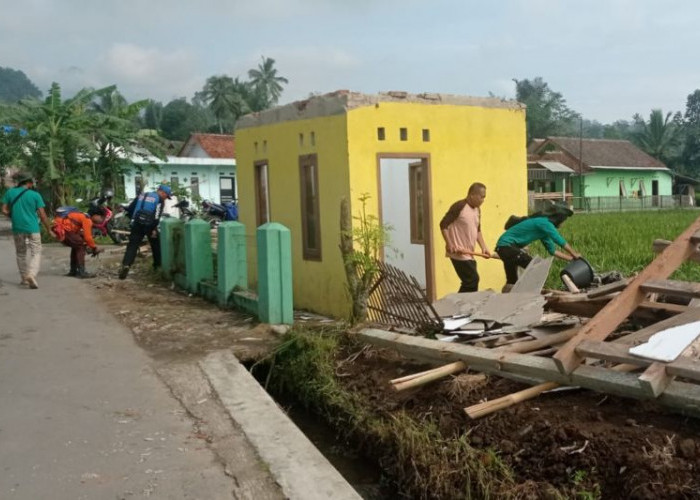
<point>427,206</point>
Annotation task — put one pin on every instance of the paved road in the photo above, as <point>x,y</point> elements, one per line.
<point>82,413</point>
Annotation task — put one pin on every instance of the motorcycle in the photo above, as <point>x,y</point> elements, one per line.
<point>105,228</point>
<point>215,213</point>
<point>121,224</point>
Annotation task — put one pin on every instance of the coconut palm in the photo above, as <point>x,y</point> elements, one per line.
<point>657,137</point>
<point>226,99</point>
<point>267,85</point>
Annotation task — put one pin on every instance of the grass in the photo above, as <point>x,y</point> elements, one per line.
<point>622,241</point>
<point>416,457</point>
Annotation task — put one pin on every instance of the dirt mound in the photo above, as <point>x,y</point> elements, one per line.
<point>576,440</point>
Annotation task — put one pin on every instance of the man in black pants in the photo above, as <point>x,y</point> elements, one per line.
<point>145,212</point>
<point>461,229</point>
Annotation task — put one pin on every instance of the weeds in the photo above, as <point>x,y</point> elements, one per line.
<point>413,453</point>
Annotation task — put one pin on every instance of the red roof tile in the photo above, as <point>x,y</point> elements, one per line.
<point>215,145</point>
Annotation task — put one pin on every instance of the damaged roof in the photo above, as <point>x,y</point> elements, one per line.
<point>340,101</point>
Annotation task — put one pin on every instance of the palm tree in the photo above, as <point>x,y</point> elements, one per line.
<point>267,85</point>
<point>225,98</point>
<point>658,137</point>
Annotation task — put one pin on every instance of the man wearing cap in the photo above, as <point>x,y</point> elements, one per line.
<point>22,204</point>
<point>145,212</point>
<point>540,226</point>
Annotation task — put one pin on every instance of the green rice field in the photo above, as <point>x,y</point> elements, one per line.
<point>622,241</point>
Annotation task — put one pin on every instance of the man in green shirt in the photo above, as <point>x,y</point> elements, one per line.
<point>540,226</point>
<point>22,204</point>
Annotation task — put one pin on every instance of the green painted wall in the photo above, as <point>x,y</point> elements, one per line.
<point>607,182</point>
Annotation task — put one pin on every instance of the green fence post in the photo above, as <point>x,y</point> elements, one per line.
<point>169,229</point>
<point>198,256</point>
<point>232,267</point>
<point>275,301</point>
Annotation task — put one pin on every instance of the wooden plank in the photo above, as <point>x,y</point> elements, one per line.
<point>534,277</point>
<point>619,308</point>
<point>685,367</point>
<point>680,396</point>
<point>601,291</point>
<point>659,245</point>
<point>588,308</point>
<point>673,288</point>
<point>609,351</point>
<point>655,379</point>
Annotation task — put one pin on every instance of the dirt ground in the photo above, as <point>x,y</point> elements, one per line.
<point>606,446</point>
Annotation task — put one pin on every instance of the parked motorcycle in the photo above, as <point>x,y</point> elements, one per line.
<point>215,213</point>
<point>121,224</point>
<point>105,228</point>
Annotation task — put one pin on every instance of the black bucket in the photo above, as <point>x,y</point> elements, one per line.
<point>580,272</point>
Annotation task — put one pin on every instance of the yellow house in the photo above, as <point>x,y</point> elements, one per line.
<point>413,154</point>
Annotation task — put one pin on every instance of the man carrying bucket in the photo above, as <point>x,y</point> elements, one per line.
<point>540,226</point>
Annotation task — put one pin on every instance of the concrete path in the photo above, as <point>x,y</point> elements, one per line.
<point>82,413</point>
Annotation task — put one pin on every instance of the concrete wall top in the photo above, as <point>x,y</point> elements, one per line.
<point>341,101</point>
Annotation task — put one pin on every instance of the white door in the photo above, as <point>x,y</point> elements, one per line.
<point>402,199</point>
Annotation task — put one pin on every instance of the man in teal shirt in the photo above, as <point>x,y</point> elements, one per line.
<point>541,226</point>
<point>22,204</point>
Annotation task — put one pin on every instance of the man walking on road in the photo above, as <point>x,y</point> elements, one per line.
<point>461,229</point>
<point>22,204</point>
<point>145,212</point>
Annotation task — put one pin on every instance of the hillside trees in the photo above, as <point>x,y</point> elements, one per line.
<point>15,85</point>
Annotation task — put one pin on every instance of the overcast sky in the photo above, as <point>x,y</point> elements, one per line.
<point>609,58</point>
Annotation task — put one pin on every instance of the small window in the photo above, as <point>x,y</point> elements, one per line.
<point>426,135</point>
<point>138,184</point>
<point>403,133</point>
<point>380,133</point>
<point>623,189</point>
<point>310,212</point>
<point>262,194</point>
<point>194,185</point>
<point>255,146</point>
<point>174,182</point>
<point>313,138</point>
<point>416,186</point>
<point>264,146</point>
<point>301,140</point>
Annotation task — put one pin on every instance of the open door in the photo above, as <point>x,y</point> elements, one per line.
<point>404,192</point>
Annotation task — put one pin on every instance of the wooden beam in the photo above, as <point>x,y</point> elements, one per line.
<point>619,308</point>
<point>601,291</point>
<point>648,311</point>
<point>655,379</point>
<point>680,396</point>
<point>609,351</point>
<point>673,288</point>
<point>659,245</point>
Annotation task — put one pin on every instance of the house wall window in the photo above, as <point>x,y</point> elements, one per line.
<point>310,212</point>
<point>174,182</point>
<point>642,188</point>
<point>416,186</point>
<point>262,194</point>
<point>138,184</point>
<point>623,189</point>
<point>194,184</point>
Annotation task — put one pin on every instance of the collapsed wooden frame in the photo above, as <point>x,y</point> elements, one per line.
<point>609,368</point>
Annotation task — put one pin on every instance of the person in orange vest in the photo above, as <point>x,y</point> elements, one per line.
<point>74,230</point>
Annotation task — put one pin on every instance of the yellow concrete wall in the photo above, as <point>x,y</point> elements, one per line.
<point>467,144</point>
<point>318,286</point>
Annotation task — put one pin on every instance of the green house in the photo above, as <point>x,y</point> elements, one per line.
<point>597,174</point>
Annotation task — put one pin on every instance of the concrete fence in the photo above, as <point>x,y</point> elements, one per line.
<point>222,276</point>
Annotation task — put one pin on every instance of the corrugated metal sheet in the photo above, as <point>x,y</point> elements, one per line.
<point>555,166</point>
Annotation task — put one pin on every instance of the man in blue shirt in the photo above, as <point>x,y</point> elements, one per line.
<point>542,226</point>
<point>22,204</point>
<point>145,212</point>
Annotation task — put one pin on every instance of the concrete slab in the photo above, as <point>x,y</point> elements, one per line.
<point>299,468</point>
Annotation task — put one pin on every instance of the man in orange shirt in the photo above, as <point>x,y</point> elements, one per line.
<point>77,229</point>
<point>461,229</point>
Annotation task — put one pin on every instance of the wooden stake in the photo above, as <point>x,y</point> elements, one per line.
<point>570,285</point>
<point>417,379</point>
<point>488,407</point>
